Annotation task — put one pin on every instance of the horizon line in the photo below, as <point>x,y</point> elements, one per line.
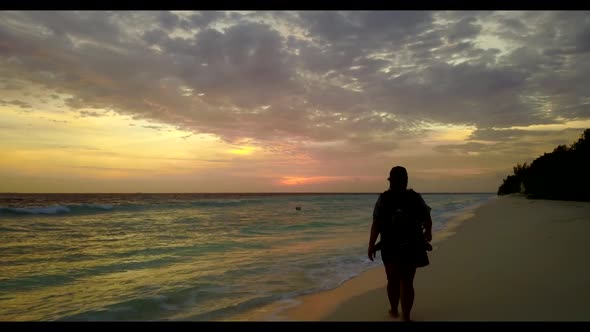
<point>234,193</point>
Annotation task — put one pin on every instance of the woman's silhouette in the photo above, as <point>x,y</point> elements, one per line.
<point>402,218</point>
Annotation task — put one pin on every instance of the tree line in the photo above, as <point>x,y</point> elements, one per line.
<point>563,174</point>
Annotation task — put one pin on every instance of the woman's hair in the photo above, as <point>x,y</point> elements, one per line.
<point>398,178</point>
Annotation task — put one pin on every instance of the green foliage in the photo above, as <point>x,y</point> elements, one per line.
<point>511,185</point>
<point>562,174</point>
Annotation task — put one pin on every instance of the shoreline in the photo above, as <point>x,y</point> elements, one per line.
<point>313,306</point>
<point>514,260</point>
<point>321,305</point>
<point>511,259</point>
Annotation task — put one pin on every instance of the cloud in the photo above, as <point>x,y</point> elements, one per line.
<point>17,103</point>
<point>92,114</point>
<point>364,79</point>
<point>203,19</point>
<point>158,128</point>
<point>105,168</point>
<point>12,86</point>
<point>76,147</point>
<point>168,21</point>
<point>512,145</point>
<point>514,134</point>
<point>368,28</point>
<point>466,28</point>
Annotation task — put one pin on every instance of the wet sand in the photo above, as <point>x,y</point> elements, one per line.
<point>512,259</point>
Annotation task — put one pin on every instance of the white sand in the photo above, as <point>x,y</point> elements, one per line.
<point>513,259</point>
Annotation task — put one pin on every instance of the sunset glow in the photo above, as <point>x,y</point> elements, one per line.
<point>279,101</point>
<point>295,181</point>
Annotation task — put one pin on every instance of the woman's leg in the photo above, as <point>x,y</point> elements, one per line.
<point>393,288</point>
<point>407,290</point>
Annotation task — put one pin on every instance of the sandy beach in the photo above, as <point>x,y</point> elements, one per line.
<point>511,259</point>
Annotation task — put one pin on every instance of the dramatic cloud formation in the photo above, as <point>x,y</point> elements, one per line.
<point>311,100</point>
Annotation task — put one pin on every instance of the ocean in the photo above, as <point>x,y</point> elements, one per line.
<point>199,257</point>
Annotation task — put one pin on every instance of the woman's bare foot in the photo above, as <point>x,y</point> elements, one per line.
<point>393,313</point>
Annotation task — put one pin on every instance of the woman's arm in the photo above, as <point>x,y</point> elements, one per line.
<point>428,227</point>
<point>374,229</point>
<point>427,223</point>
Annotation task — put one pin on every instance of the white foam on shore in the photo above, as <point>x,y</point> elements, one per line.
<point>276,310</point>
<point>282,306</point>
<point>57,209</point>
<point>54,209</point>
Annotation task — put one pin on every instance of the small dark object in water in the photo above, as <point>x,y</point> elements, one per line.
<point>298,208</point>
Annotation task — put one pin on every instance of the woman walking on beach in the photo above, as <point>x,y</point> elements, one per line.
<point>403,219</point>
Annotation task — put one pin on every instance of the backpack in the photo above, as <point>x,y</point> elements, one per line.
<point>402,224</point>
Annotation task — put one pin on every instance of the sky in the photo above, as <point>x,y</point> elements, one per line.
<point>280,101</point>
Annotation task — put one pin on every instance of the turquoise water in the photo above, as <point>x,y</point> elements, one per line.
<point>182,256</point>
